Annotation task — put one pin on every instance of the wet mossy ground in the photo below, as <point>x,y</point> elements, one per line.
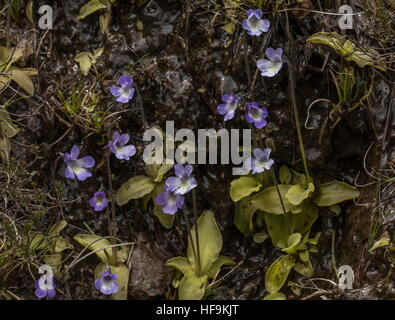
<point>182,60</point>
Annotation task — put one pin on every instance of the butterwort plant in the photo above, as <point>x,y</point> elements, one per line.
<point>228,108</point>
<point>125,91</point>
<point>272,65</point>
<point>119,147</point>
<point>256,115</point>
<point>255,25</point>
<point>77,168</point>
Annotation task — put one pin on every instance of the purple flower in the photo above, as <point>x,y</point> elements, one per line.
<point>119,148</point>
<point>229,107</point>
<point>169,201</point>
<point>254,24</point>
<point>125,92</point>
<point>256,115</point>
<point>77,167</point>
<point>269,68</point>
<point>261,162</point>
<point>107,283</point>
<point>45,287</point>
<point>99,201</point>
<point>183,182</point>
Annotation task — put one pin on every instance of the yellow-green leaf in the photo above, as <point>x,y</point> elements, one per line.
<point>242,187</point>
<point>268,199</point>
<point>6,126</point>
<point>244,214</point>
<point>296,194</point>
<point>380,243</point>
<point>91,7</point>
<point>84,59</point>
<point>210,242</point>
<point>135,188</point>
<point>348,50</point>
<point>54,260</point>
<point>216,267</point>
<point>275,296</point>
<point>181,264</point>
<point>5,148</point>
<point>57,227</point>
<point>29,11</point>
<point>22,77</point>
<point>95,243</point>
<point>285,175</point>
<point>278,272</point>
<point>62,244</point>
<point>335,192</point>
<point>192,287</point>
<point>104,22</point>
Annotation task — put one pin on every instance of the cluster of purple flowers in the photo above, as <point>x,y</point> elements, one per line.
<point>45,287</point>
<point>172,199</point>
<point>78,168</point>
<point>255,25</point>
<point>255,114</point>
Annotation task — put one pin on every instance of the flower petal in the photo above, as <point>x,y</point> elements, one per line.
<point>51,293</point>
<point>259,154</point>
<point>270,53</point>
<point>188,170</point>
<point>264,112</point>
<point>258,13</point>
<point>86,162</point>
<point>125,152</point>
<point>173,183</point>
<point>250,12</point>
<point>223,108</point>
<point>269,164</point>
<point>116,136</point>
<point>115,91</point>
<point>40,293</point>
<point>180,170</point>
<point>68,173</point>
<point>180,202</point>
<point>125,81</point>
<point>259,124</point>
<point>228,97</point>
<point>279,53</point>
<point>230,115</point>
<point>123,99</point>
<point>249,118</point>
<point>264,65</point>
<point>245,25</point>
<point>170,208</point>
<point>82,174</point>
<point>75,152</point>
<point>124,139</point>
<point>265,25</point>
